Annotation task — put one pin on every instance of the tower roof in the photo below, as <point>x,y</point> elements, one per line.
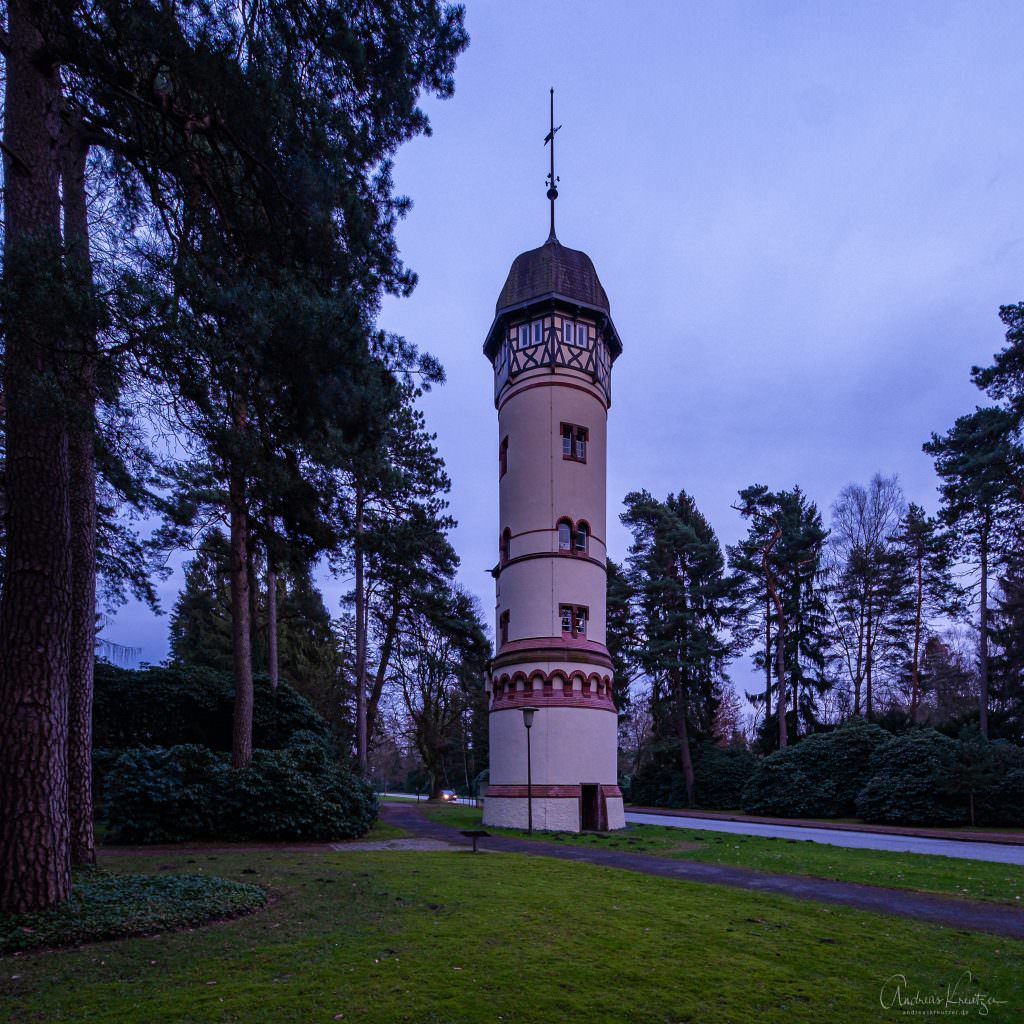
<point>552,271</point>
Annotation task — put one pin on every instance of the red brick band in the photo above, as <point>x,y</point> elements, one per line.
<point>551,699</point>
<point>538,690</point>
<point>547,792</point>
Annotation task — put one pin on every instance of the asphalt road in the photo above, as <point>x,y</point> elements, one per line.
<point>995,852</point>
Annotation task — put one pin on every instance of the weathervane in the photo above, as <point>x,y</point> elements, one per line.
<point>552,181</point>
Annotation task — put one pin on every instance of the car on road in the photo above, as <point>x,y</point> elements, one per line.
<point>449,796</point>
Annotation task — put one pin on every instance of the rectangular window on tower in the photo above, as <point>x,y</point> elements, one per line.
<point>574,442</point>
<point>574,619</point>
<point>583,336</point>
<point>538,331</point>
<point>524,336</point>
<point>503,457</point>
<point>503,626</point>
<point>568,332</point>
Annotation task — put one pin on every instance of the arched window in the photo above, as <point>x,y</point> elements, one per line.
<point>564,535</point>
<point>506,545</point>
<point>581,543</point>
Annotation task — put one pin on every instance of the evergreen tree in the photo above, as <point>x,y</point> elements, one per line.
<point>200,625</point>
<point>1006,664</point>
<point>683,613</point>
<point>978,463</point>
<point>438,664</point>
<point>620,636</point>
<point>35,605</point>
<point>926,550</point>
<point>782,554</point>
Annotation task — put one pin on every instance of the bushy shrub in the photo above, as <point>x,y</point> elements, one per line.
<point>1003,803</point>
<point>911,782</point>
<point>999,800</point>
<point>189,792</point>
<point>720,773</point>
<point>167,707</point>
<point>818,777</point>
<point>164,795</point>
<point>779,787</point>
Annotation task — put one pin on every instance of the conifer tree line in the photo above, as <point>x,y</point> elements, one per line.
<point>875,610</point>
<point>199,226</point>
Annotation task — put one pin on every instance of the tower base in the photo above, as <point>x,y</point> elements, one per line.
<point>597,808</point>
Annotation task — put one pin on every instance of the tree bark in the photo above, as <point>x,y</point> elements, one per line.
<point>35,619</point>
<point>361,624</point>
<point>768,658</point>
<point>915,668</point>
<point>780,677</point>
<point>983,634</point>
<point>683,732</point>
<point>868,666</point>
<point>386,649</point>
<point>81,388</point>
<point>780,638</point>
<point>241,627</point>
<point>272,666</point>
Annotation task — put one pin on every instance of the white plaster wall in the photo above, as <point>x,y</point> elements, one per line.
<point>616,812</point>
<point>539,485</point>
<point>550,814</point>
<point>569,747</point>
<point>533,590</point>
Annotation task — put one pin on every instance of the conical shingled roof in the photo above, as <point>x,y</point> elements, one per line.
<point>553,269</point>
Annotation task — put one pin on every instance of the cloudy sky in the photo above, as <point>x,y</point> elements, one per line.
<point>806,217</point>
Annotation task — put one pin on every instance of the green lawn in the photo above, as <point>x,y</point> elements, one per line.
<point>448,937</point>
<point>974,879</point>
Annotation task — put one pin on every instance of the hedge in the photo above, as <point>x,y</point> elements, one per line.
<point>720,774</point>
<point>819,777</point>
<point>911,781</point>
<point>166,707</point>
<point>188,792</point>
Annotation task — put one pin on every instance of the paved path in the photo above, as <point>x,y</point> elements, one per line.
<point>953,913</point>
<point>995,852</point>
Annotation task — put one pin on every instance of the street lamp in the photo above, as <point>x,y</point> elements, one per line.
<point>528,714</point>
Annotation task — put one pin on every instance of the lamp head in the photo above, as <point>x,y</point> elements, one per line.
<point>528,714</point>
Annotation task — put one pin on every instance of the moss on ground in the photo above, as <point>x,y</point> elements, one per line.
<point>108,905</point>
<point>448,937</point>
<point>946,876</point>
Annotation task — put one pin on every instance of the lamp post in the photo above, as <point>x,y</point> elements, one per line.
<point>528,714</point>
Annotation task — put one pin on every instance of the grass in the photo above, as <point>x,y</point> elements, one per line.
<point>382,831</point>
<point>107,905</point>
<point>947,876</point>
<point>447,937</point>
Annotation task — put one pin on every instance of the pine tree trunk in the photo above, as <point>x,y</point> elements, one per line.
<point>683,732</point>
<point>983,634</point>
<point>35,619</point>
<point>272,666</point>
<point>241,627</point>
<point>915,668</point>
<point>868,667</point>
<point>780,679</point>
<point>82,469</point>
<point>768,659</point>
<point>361,624</point>
<point>386,650</point>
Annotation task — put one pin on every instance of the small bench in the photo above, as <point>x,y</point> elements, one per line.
<point>475,834</point>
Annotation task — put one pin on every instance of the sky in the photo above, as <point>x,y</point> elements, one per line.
<point>806,217</point>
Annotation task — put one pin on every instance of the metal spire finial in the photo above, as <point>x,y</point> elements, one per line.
<point>552,181</point>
